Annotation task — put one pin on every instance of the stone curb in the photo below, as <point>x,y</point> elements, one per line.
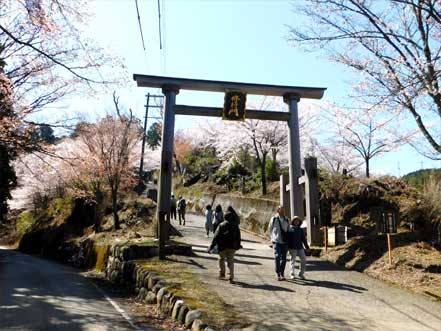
<point>150,288</point>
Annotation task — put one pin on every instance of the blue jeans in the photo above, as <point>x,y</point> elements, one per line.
<point>280,251</point>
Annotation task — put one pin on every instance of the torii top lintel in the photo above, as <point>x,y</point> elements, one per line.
<point>220,86</point>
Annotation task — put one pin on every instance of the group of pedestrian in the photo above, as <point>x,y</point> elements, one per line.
<point>214,218</point>
<point>285,235</point>
<point>180,206</point>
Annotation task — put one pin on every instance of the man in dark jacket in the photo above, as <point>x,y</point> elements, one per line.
<point>296,246</point>
<point>227,239</point>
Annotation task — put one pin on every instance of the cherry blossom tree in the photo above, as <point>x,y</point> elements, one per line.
<point>368,132</point>
<point>264,138</point>
<point>336,155</point>
<point>394,45</point>
<point>44,58</point>
<point>110,143</point>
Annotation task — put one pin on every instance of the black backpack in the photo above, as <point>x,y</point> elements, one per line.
<point>230,236</point>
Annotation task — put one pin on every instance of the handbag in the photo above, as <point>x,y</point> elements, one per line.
<point>283,232</point>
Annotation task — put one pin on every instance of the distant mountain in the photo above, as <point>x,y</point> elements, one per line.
<point>418,178</point>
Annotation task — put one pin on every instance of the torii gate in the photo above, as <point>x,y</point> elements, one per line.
<point>170,88</point>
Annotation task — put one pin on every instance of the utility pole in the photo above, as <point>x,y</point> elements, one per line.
<point>144,136</point>
<point>141,164</point>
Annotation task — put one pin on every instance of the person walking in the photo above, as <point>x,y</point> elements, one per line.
<point>182,204</point>
<point>235,215</point>
<point>218,217</point>
<point>297,244</point>
<point>277,229</point>
<point>208,219</point>
<point>227,239</point>
<point>173,207</point>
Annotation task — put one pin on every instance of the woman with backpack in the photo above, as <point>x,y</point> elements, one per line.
<point>227,239</point>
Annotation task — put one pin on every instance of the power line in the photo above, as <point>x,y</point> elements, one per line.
<point>139,23</point>
<point>163,38</point>
<point>159,23</point>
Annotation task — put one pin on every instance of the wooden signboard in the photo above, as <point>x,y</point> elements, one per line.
<point>389,222</point>
<point>234,106</point>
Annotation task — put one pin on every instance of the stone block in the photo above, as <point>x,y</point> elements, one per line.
<point>142,294</point>
<point>167,303</point>
<point>153,279</point>
<point>191,316</point>
<point>182,314</point>
<point>151,297</point>
<point>114,276</point>
<point>157,286</point>
<point>175,311</point>
<point>198,325</point>
<point>162,291</point>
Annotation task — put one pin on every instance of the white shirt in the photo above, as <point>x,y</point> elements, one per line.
<point>274,228</point>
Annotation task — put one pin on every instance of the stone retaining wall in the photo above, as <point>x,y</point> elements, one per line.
<point>122,268</point>
<point>254,213</point>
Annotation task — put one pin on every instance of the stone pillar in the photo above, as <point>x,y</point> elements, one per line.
<point>284,194</point>
<point>165,177</point>
<point>295,171</point>
<point>312,201</point>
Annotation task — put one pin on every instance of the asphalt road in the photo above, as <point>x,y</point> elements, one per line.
<point>331,298</point>
<point>36,294</point>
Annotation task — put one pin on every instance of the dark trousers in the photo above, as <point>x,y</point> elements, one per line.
<point>173,213</point>
<point>280,251</point>
<point>181,215</point>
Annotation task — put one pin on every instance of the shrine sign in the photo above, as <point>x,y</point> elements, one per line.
<point>234,106</point>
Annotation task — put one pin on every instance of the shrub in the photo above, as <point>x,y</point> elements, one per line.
<point>431,202</point>
<point>272,173</point>
<point>24,222</point>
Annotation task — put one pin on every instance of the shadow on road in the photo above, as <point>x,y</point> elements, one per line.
<point>266,287</point>
<point>328,284</point>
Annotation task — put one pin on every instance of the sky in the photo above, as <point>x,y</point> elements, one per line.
<point>229,40</point>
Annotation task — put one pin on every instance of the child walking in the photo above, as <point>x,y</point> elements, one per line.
<point>209,219</point>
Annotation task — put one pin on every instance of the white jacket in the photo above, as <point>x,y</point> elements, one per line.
<point>274,228</point>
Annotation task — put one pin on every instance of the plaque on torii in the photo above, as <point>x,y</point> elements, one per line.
<point>234,106</point>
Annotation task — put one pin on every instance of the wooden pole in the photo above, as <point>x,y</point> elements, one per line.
<point>389,247</point>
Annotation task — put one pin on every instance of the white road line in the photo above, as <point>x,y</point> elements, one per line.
<point>117,308</point>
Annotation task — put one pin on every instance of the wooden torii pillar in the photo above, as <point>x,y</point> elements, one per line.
<point>171,86</point>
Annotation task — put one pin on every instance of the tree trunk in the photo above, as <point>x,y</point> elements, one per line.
<point>115,211</point>
<point>263,171</point>
<point>367,168</point>
<point>274,152</point>
<point>178,164</point>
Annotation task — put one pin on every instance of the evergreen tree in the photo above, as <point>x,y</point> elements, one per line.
<point>154,135</point>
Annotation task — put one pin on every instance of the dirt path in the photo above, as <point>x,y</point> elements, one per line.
<point>330,298</point>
